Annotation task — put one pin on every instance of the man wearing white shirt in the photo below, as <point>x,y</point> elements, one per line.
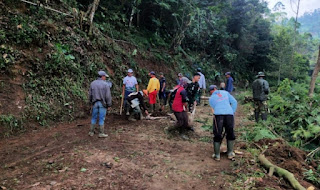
<point>130,84</point>
<point>202,84</point>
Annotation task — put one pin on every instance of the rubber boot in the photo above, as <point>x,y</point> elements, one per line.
<point>256,116</point>
<point>216,147</point>
<point>132,116</point>
<point>127,111</point>
<point>264,116</point>
<point>91,132</point>
<point>140,116</point>
<point>101,134</point>
<point>230,152</point>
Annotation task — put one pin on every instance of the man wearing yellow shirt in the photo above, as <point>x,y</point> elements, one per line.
<point>153,88</point>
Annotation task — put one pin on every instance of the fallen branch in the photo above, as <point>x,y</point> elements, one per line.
<point>315,138</point>
<point>312,153</point>
<point>148,117</point>
<point>46,7</point>
<point>281,172</point>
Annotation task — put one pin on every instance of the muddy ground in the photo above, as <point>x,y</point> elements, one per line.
<point>136,155</point>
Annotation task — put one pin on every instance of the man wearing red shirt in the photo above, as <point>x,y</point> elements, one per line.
<point>180,107</point>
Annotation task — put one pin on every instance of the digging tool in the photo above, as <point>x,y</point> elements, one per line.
<point>121,105</point>
<point>191,115</point>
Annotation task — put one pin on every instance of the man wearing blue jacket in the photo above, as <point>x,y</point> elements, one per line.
<point>229,86</point>
<point>224,106</point>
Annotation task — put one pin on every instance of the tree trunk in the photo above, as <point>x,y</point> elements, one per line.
<point>177,40</point>
<point>294,38</point>
<point>314,76</point>
<point>94,7</point>
<point>132,12</point>
<point>281,172</point>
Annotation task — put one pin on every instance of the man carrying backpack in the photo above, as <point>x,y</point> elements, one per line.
<point>193,91</point>
<point>260,89</point>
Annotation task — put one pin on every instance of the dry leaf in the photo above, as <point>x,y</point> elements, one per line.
<point>311,188</point>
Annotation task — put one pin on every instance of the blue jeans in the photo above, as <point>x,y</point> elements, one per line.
<point>98,110</point>
<point>126,106</point>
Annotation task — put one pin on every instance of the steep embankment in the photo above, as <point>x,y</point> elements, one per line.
<point>47,62</point>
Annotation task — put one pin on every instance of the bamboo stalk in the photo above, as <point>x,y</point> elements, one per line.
<point>281,172</point>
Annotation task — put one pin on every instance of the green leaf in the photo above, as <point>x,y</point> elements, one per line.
<point>70,57</point>
<point>134,53</point>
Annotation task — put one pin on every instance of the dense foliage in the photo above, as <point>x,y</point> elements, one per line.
<point>241,36</point>
<point>310,23</point>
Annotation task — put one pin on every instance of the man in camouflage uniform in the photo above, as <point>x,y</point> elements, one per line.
<point>260,89</point>
<point>193,91</point>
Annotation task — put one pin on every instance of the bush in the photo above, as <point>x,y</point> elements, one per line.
<point>11,125</point>
<point>297,116</point>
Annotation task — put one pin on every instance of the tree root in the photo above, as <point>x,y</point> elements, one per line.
<point>312,153</point>
<point>281,172</point>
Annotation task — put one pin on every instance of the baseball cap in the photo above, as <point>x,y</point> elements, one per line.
<point>212,87</point>
<point>180,75</point>
<point>130,71</point>
<point>227,73</point>
<point>102,73</point>
<point>152,73</point>
<point>161,73</point>
<point>199,69</point>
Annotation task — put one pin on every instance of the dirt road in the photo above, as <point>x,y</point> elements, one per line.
<point>141,156</point>
<point>136,155</point>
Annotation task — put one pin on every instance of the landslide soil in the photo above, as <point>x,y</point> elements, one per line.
<point>141,156</point>
<point>136,155</point>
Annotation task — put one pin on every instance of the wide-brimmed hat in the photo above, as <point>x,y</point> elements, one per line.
<point>261,74</point>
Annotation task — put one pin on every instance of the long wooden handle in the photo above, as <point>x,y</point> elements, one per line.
<point>121,105</point>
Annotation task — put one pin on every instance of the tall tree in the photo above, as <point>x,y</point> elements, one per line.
<point>92,9</point>
<point>314,76</point>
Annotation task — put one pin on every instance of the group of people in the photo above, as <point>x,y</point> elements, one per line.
<point>182,98</point>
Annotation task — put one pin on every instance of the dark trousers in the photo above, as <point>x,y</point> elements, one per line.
<point>125,104</point>
<point>225,122</point>
<point>182,120</point>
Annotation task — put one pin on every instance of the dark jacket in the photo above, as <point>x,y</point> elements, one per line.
<point>100,91</point>
<point>193,90</point>
<point>229,86</point>
<point>260,89</point>
<point>138,95</point>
